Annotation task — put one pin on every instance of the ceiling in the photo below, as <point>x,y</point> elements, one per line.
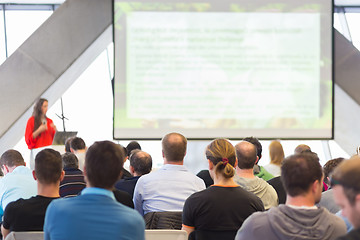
<point>345,3</point>
<point>33,1</point>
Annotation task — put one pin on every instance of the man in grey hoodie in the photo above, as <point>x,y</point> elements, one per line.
<point>246,155</point>
<point>299,218</point>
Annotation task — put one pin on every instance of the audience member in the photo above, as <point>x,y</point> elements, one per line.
<point>73,182</point>
<point>140,164</point>
<point>302,148</point>
<point>277,184</point>
<point>299,218</point>
<point>78,147</point>
<point>95,214</point>
<point>67,144</point>
<point>167,188</point>
<point>259,171</point>
<point>125,173</point>
<point>205,176</point>
<point>277,155</point>
<point>329,167</point>
<point>123,198</point>
<point>223,207</point>
<point>133,145</point>
<point>247,157</point>
<point>327,199</point>
<point>345,182</point>
<point>29,214</point>
<point>18,181</point>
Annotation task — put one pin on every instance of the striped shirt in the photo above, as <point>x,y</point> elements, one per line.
<point>73,183</point>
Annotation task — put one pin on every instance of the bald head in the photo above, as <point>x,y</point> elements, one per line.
<point>174,147</point>
<point>246,154</point>
<point>141,162</point>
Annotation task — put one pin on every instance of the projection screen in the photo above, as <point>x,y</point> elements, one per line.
<point>223,68</point>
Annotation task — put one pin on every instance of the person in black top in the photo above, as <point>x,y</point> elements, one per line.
<point>133,145</point>
<point>205,175</point>
<point>279,188</point>
<point>29,214</point>
<point>123,198</point>
<point>125,173</point>
<point>219,211</point>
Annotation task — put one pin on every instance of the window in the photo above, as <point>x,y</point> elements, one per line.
<point>353,20</point>
<point>2,37</point>
<point>20,24</point>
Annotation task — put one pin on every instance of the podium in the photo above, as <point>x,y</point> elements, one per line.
<point>60,137</point>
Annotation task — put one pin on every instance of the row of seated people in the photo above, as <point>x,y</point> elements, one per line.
<point>233,205</point>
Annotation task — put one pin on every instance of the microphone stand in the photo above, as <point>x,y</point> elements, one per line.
<point>62,117</point>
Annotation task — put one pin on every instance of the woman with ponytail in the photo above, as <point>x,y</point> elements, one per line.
<point>219,211</point>
<point>40,130</point>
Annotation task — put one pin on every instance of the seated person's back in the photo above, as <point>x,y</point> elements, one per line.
<point>29,214</point>
<point>73,182</point>
<point>246,154</point>
<point>95,214</point>
<point>299,218</point>
<point>167,188</point>
<point>18,181</point>
<point>224,206</point>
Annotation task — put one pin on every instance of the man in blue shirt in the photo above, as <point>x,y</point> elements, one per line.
<point>18,181</point>
<point>95,214</point>
<point>167,188</point>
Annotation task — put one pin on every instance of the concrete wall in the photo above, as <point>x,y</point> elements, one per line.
<point>50,60</point>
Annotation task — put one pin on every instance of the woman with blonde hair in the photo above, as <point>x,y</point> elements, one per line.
<point>277,156</point>
<point>219,211</point>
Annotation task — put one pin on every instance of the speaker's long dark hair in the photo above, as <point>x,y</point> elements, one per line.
<point>38,114</point>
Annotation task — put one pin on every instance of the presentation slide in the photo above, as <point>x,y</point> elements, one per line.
<point>223,69</point>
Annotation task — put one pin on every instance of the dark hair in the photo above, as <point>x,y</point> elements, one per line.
<point>329,168</point>
<point>141,162</point>
<point>246,154</point>
<point>347,174</point>
<point>12,158</point>
<point>174,147</point>
<point>299,172</point>
<point>302,148</point>
<point>125,150</point>
<point>276,153</point>
<point>257,144</point>
<point>222,154</point>
<point>70,160</point>
<point>48,166</point>
<point>67,144</point>
<point>132,146</point>
<point>103,163</point>
<point>77,143</point>
<point>37,113</point>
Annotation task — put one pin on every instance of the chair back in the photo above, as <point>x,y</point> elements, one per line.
<point>212,235</point>
<point>25,236</point>
<point>165,234</point>
<point>163,220</point>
